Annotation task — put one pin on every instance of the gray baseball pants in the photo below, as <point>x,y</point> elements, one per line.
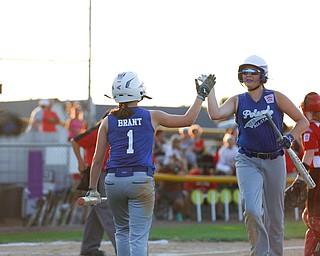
<point>132,202</point>
<point>262,184</point>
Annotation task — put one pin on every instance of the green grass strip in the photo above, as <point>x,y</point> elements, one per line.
<point>209,232</point>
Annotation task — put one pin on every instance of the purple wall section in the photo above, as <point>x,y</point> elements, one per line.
<point>35,174</point>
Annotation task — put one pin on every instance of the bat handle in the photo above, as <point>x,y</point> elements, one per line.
<point>274,127</point>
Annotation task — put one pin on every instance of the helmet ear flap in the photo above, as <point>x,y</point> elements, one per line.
<point>263,78</point>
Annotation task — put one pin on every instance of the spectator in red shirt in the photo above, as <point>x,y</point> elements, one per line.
<point>50,119</point>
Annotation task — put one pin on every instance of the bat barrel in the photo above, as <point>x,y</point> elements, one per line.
<point>90,200</point>
<point>301,169</point>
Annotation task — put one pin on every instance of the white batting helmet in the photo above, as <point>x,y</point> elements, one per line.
<point>259,63</point>
<point>127,87</point>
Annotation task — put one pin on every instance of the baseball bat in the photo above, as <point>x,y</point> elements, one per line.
<point>295,159</point>
<point>90,200</point>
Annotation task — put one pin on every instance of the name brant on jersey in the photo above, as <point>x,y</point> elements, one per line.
<point>129,122</point>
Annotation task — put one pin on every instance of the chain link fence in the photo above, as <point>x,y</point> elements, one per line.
<point>29,171</point>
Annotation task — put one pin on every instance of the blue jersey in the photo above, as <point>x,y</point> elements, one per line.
<point>255,131</point>
<point>131,140</point>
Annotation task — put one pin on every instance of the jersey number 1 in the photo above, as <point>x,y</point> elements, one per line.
<point>130,149</point>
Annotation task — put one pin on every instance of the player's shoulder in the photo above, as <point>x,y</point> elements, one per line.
<point>314,127</point>
<point>276,92</point>
<point>281,97</point>
<point>156,112</point>
<point>270,91</point>
<point>315,123</point>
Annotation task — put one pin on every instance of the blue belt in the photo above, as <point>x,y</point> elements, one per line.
<point>128,171</point>
<point>264,156</point>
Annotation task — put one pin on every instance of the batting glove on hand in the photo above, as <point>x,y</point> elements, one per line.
<point>287,141</point>
<point>207,84</point>
<point>201,78</point>
<point>94,193</point>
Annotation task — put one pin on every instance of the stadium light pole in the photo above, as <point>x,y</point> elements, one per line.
<point>91,108</point>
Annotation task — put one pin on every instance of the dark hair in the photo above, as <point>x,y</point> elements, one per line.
<point>122,111</point>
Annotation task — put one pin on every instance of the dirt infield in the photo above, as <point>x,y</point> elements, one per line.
<point>293,247</point>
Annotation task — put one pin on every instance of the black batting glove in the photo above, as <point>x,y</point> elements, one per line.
<point>207,84</point>
<point>286,141</point>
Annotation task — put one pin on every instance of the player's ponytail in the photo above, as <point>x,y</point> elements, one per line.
<point>122,111</point>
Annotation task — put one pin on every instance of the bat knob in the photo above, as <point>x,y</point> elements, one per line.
<point>80,201</point>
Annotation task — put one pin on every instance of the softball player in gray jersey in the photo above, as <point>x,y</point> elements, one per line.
<point>129,183</point>
<point>260,163</point>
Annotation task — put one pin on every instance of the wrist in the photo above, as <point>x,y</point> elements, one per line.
<point>290,137</point>
<point>201,97</point>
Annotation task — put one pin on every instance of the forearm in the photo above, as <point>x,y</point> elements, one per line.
<point>308,156</point>
<point>76,150</point>
<point>95,173</point>
<point>213,107</point>
<point>301,125</point>
<point>193,112</point>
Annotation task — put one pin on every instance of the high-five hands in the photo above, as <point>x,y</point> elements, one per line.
<point>205,87</point>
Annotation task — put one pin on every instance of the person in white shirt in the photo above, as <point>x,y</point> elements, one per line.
<point>36,116</point>
<point>226,156</point>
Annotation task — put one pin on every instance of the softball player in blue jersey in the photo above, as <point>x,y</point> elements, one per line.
<point>129,130</point>
<point>260,162</point>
